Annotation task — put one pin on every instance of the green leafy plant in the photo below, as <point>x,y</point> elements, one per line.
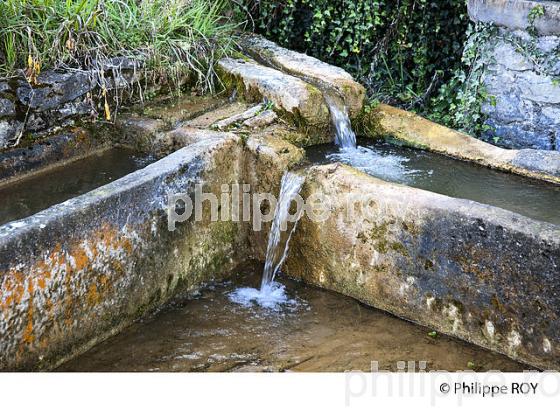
<point>459,102</point>
<point>534,14</point>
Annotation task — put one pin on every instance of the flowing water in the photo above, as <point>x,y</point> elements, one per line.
<point>318,331</point>
<point>437,173</point>
<point>290,186</point>
<point>344,135</point>
<point>37,192</point>
<point>272,294</point>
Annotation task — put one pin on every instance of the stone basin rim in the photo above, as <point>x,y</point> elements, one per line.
<point>442,202</point>
<point>153,171</point>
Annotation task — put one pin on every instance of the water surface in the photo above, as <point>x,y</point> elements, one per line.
<point>447,176</point>
<point>316,330</point>
<point>40,191</point>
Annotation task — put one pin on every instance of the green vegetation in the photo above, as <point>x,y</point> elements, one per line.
<point>407,52</point>
<point>171,37</point>
<point>458,103</point>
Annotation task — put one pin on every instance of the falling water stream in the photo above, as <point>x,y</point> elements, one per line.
<point>275,254</point>
<point>344,135</point>
<point>272,294</point>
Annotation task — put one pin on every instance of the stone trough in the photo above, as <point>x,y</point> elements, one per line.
<point>477,272</point>
<point>80,271</point>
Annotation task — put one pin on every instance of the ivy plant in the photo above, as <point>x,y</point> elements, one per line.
<point>406,52</point>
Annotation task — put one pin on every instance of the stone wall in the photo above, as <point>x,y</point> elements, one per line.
<point>522,72</point>
<point>59,98</point>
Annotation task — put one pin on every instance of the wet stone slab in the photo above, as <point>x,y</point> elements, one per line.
<point>316,330</point>
<point>297,99</point>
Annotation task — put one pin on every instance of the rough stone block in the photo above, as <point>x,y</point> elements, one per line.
<point>519,135</point>
<point>307,68</point>
<point>508,108</point>
<point>514,14</point>
<point>507,56</point>
<point>301,101</point>
<point>7,108</point>
<point>8,132</point>
<point>538,88</point>
<point>55,89</point>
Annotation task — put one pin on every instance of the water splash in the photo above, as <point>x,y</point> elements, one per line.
<point>271,297</point>
<point>272,294</point>
<point>387,166</point>
<point>344,135</point>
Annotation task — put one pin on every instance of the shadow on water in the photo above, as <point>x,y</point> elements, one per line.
<point>437,173</point>
<point>317,331</point>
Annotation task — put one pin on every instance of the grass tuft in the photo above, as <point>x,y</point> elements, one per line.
<point>173,38</point>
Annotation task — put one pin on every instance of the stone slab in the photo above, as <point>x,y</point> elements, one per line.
<point>307,68</point>
<point>302,102</point>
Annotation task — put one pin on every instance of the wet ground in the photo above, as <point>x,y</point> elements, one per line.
<point>437,173</point>
<point>35,193</point>
<point>315,330</point>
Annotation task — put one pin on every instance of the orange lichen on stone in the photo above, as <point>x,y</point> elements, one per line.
<point>28,336</point>
<point>127,245</point>
<point>81,259</point>
<point>43,270</point>
<point>14,288</point>
<point>104,280</point>
<point>93,296</point>
<point>61,283</point>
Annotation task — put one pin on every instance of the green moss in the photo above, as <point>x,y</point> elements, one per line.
<point>224,232</point>
<point>378,234</point>
<point>304,137</point>
<point>367,123</point>
<point>411,228</point>
<point>399,247</point>
<point>403,141</point>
